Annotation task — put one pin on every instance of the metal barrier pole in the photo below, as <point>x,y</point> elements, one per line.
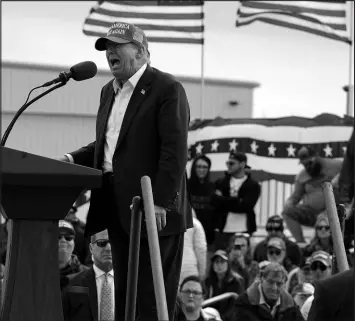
<point>133,260</point>
<point>154,249</point>
<point>339,249</point>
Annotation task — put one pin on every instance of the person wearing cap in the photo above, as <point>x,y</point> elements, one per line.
<point>141,130</point>
<point>308,189</point>
<point>68,262</point>
<point>266,298</point>
<point>321,265</point>
<point>334,298</point>
<point>276,252</point>
<point>221,279</point>
<point>234,199</point>
<point>301,293</point>
<point>275,227</point>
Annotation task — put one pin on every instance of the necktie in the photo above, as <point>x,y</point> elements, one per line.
<point>106,301</point>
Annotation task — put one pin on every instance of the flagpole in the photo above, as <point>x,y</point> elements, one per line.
<point>202,79</point>
<point>350,92</point>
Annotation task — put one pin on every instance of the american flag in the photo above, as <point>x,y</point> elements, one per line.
<point>271,145</point>
<point>162,21</point>
<point>323,18</point>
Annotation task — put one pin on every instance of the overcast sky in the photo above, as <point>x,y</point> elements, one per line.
<point>300,74</point>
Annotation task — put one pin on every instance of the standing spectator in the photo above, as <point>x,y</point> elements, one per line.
<point>189,302</point>
<point>322,240</point>
<point>321,265</point>
<point>201,189</point>
<point>308,187</point>
<point>98,303</point>
<point>275,227</point>
<point>241,260</point>
<point>266,299</point>
<point>68,262</point>
<point>222,280</point>
<point>195,251</point>
<point>277,252</point>
<point>301,293</point>
<point>235,198</point>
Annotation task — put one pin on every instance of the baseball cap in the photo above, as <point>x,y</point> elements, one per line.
<point>66,227</point>
<point>277,243</point>
<point>239,156</point>
<point>220,253</point>
<point>122,32</point>
<point>323,257</point>
<point>305,153</point>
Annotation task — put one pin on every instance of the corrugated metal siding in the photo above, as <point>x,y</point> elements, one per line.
<point>83,97</point>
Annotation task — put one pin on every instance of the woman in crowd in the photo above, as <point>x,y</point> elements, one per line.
<point>322,240</point>
<point>240,258</point>
<point>221,279</point>
<point>195,251</point>
<point>201,190</point>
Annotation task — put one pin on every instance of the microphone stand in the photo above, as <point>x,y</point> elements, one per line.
<point>23,108</point>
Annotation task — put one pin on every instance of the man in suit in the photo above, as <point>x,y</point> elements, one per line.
<point>141,129</point>
<point>334,298</point>
<point>89,295</point>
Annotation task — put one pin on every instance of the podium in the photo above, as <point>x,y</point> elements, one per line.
<point>35,193</point>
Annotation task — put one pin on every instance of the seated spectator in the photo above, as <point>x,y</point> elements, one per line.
<point>266,299</point>
<point>276,252</point>
<point>301,293</point>
<point>240,258</point>
<point>68,262</point>
<point>308,187</point>
<point>97,302</point>
<point>195,251</point>
<point>81,248</point>
<point>322,240</point>
<point>201,189</point>
<point>321,265</point>
<point>234,199</point>
<point>299,275</point>
<point>189,302</point>
<point>222,280</point>
<point>275,227</point>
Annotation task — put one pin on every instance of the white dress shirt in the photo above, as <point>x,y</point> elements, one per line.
<point>114,123</point>
<point>100,278</point>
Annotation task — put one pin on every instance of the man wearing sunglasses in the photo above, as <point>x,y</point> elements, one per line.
<point>90,294</point>
<point>321,265</point>
<point>275,228</point>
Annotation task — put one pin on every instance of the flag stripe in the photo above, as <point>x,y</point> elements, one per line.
<point>284,6</point>
<point>146,27</point>
<point>320,18</point>
<point>161,22</point>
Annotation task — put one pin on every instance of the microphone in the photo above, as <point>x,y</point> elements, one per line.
<point>81,71</point>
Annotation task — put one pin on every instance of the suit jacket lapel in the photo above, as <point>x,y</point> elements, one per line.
<point>139,94</point>
<point>90,282</point>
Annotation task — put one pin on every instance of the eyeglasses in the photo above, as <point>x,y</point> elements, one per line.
<point>275,229</point>
<point>194,293</point>
<point>318,266</point>
<point>101,243</point>
<point>66,237</point>
<point>274,251</point>
<point>239,246</point>
<point>323,227</point>
<point>229,163</point>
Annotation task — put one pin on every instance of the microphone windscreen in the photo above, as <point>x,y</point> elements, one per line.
<point>83,70</point>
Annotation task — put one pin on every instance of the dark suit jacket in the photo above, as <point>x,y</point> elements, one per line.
<point>334,298</point>
<point>248,196</point>
<point>152,142</point>
<point>79,297</point>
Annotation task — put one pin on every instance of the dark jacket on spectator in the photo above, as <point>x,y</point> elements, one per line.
<point>247,307</point>
<point>3,243</point>
<point>231,283</point>
<point>74,266</point>
<point>292,250</point>
<point>248,196</point>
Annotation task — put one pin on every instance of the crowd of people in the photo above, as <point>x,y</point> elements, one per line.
<point>220,255</point>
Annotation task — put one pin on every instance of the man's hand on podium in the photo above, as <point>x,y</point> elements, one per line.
<point>62,158</point>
